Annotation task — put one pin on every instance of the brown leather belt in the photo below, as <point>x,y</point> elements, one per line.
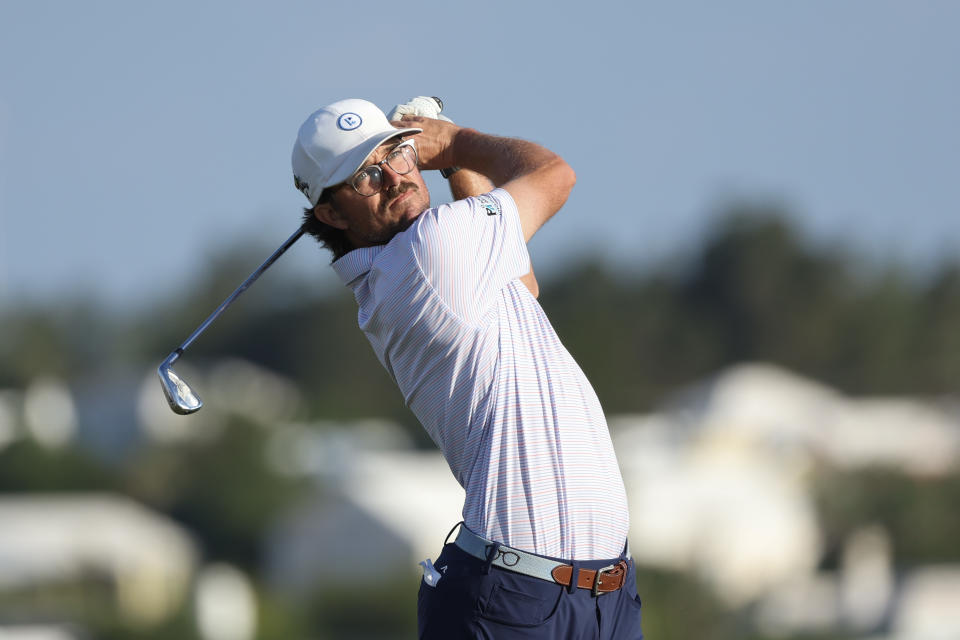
<point>597,581</point>
<point>600,581</point>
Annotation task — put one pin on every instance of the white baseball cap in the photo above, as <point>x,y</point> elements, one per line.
<point>335,141</point>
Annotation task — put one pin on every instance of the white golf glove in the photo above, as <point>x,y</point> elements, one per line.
<point>423,106</point>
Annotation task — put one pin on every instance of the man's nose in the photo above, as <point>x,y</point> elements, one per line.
<point>390,177</point>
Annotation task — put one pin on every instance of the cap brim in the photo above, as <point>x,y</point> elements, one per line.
<point>358,156</point>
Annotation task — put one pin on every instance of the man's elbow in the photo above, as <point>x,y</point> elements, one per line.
<point>563,178</point>
<point>568,177</point>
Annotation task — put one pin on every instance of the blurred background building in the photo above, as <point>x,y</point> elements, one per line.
<point>753,488</point>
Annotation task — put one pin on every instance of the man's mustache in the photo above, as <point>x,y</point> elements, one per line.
<point>393,192</point>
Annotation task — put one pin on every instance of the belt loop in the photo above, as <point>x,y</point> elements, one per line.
<point>492,551</point>
<point>455,527</point>
<point>574,576</point>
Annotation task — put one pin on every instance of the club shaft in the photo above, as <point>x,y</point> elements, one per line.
<point>233,296</point>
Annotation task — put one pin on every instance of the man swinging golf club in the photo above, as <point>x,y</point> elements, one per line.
<point>447,300</point>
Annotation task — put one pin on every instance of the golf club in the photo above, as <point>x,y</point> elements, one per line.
<point>181,397</point>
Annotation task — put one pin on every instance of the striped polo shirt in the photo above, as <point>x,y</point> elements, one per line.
<point>480,365</point>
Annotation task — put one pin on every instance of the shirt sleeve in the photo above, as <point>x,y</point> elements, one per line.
<point>469,250</point>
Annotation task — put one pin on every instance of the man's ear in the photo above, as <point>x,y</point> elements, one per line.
<point>326,213</point>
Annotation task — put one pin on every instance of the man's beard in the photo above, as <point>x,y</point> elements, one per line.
<point>383,236</point>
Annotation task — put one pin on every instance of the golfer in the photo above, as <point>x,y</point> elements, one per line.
<point>448,302</point>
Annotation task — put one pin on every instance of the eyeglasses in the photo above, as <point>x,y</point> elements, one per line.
<point>401,160</point>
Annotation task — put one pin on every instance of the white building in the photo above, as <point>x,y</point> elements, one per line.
<point>929,605</point>
<point>781,416</point>
<point>386,512</point>
<point>36,632</point>
<point>706,505</point>
<point>66,539</point>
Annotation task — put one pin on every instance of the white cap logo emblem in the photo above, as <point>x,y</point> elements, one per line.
<point>349,121</point>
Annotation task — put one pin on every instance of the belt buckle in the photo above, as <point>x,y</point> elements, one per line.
<point>596,580</point>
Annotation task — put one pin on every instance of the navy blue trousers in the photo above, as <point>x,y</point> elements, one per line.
<point>476,600</point>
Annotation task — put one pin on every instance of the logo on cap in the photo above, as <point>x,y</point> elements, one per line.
<point>349,121</point>
<point>301,185</point>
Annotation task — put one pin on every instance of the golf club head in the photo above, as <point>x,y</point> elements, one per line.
<point>179,395</point>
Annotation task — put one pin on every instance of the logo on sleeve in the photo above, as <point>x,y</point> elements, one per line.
<point>490,204</point>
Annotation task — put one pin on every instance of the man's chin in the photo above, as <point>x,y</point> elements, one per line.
<point>409,217</point>
<point>409,209</point>
<point>401,225</point>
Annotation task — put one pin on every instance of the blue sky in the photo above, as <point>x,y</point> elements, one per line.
<point>139,139</point>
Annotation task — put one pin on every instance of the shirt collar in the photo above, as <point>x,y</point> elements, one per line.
<point>356,263</point>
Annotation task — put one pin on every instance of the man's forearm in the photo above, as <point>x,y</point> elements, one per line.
<point>498,158</point>
<point>538,179</point>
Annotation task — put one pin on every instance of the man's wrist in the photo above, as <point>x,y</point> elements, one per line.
<point>449,171</point>
<point>460,145</point>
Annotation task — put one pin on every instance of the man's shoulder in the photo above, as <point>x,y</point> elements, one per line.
<point>485,205</point>
<point>491,204</point>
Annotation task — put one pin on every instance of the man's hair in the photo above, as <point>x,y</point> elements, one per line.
<point>329,237</point>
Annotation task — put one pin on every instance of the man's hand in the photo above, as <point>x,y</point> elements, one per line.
<point>431,144</point>
<point>435,144</point>
<point>425,106</point>
<point>423,109</point>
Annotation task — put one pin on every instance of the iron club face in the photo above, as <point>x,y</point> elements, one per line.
<point>180,396</point>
